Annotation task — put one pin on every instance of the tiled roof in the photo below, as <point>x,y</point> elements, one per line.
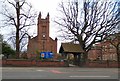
<point>70,48</point>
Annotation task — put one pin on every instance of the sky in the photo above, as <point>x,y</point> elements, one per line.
<point>45,7</point>
<point>51,6</point>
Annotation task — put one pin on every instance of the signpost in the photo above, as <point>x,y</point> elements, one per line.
<point>46,55</point>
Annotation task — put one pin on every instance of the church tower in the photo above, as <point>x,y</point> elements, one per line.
<point>43,27</point>
<point>43,32</point>
<point>42,42</point>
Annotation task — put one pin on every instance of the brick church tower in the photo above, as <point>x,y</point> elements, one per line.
<point>42,42</point>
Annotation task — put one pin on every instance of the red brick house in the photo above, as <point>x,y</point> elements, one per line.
<point>95,52</point>
<point>42,42</point>
<point>103,51</point>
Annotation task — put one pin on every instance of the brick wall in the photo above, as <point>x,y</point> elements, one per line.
<point>33,63</point>
<point>103,64</point>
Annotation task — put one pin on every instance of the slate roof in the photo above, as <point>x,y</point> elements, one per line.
<point>70,48</point>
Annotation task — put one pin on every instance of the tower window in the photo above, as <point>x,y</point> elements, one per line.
<point>43,35</point>
<point>44,28</point>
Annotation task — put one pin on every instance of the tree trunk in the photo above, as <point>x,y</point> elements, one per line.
<point>17,45</point>
<point>17,30</point>
<point>85,58</point>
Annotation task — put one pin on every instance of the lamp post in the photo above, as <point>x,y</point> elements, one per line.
<point>17,28</point>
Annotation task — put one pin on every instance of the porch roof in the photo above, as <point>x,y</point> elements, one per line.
<point>70,48</point>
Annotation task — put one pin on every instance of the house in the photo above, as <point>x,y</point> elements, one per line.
<point>105,50</point>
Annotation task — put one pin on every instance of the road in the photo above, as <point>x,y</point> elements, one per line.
<point>58,73</point>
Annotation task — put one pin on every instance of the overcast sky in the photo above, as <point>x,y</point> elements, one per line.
<point>51,6</point>
<point>45,6</point>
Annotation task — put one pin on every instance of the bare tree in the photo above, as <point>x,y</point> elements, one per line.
<point>19,15</point>
<point>87,21</point>
<point>23,38</point>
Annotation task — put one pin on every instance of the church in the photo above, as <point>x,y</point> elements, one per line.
<point>42,42</point>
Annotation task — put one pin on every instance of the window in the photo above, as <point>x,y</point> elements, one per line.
<point>43,47</point>
<point>44,29</point>
<point>43,36</point>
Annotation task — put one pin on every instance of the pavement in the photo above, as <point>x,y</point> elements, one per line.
<point>59,73</point>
